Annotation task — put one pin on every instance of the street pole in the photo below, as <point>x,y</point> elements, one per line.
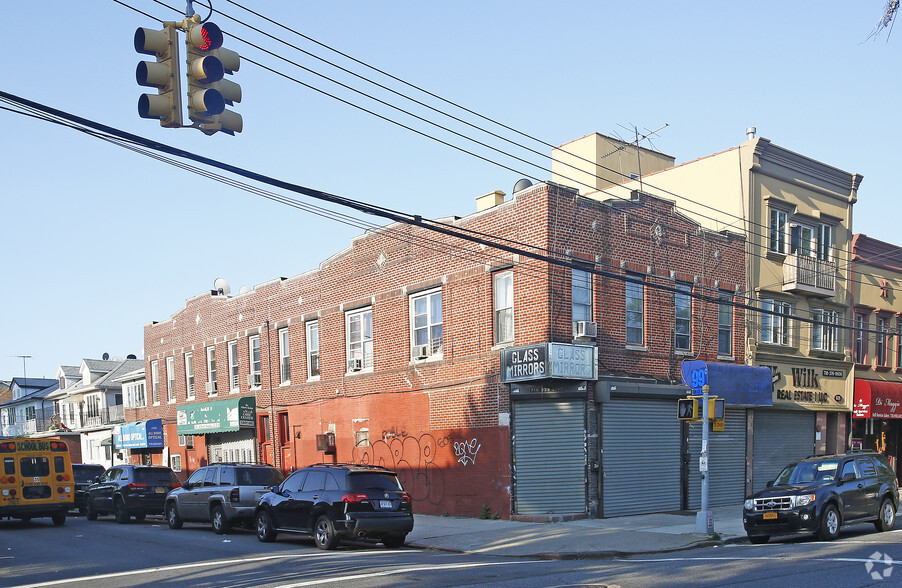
<point>704,520</point>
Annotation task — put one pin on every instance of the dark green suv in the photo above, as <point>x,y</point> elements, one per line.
<point>820,494</point>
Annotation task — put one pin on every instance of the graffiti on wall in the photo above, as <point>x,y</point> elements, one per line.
<point>413,458</point>
<point>466,451</point>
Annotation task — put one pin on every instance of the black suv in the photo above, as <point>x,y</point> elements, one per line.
<point>130,490</point>
<point>85,475</point>
<point>338,501</point>
<point>224,494</point>
<point>820,494</point>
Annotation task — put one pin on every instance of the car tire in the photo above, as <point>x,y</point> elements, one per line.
<point>886,516</point>
<point>59,519</point>
<point>759,539</point>
<point>172,516</point>
<point>324,533</point>
<point>394,540</point>
<point>82,510</point>
<point>90,513</point>
<point>266,531</point>
<point>218,519</point>
<point>830,523</point>
<point>140,516</point>
<point>120,512</point>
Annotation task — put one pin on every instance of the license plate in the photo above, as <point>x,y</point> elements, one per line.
<point>159,490</point>
<point>385,504</point>
<point>770,515</point>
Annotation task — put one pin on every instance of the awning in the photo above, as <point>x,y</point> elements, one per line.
<point>738,384</point>
<point>218,416</point>
<point>139,434</point>
<point>877,400</point>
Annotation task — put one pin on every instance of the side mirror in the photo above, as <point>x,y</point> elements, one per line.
<point>848,476</point>
<point>770,483</point>
<point>96,479</point>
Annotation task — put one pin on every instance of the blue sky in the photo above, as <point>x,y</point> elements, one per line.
<point>100,241</point>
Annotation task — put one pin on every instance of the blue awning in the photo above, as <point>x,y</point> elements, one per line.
<point>139,435</point>
<point>738,384</point>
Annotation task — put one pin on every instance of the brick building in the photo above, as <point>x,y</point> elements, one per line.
<point>490,379</point>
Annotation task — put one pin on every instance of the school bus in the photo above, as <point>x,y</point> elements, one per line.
<point>36,479</point>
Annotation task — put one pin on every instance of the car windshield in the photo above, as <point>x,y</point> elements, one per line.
<point>84,475</point>
<point>363,481</point>
<point>157,477</point>
<point>259,477</point>
<point>808,472</point>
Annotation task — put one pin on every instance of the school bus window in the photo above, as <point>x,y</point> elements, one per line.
<point>35,466</point>
<point>59,464</point>
<point>9,465</point>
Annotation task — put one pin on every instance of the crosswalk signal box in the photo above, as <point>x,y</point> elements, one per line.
<point>687,409</point>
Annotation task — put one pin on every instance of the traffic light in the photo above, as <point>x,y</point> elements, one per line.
<point>166,105</point>
<point>208,92</point>
<point>716,407</point>
<point>687,409</point>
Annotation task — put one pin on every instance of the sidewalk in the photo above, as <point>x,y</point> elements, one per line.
<point>584,538</point>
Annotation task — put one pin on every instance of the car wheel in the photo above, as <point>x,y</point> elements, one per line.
<point>140,516</point>
<point>120,512</point>
<point>59,519</point>
<point>829,524</point>
<point>220,524</point>
<point>324,533</point>
<point>90,513</point>
<point>394,540</point>
<point>82,510</point>
<point>266,532</point>
<point>172,516</point>
<point>759,539</point>
<point>886,516</point>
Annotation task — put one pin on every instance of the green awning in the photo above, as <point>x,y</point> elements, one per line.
<point>218,416</point>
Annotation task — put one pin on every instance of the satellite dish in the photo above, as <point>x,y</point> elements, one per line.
<point>220,286</point>
<point>131,356</point>
<point>522,185</point>
<point>244,290</point>
<point>105,356</point>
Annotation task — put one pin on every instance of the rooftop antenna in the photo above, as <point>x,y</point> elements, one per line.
<point>24,373</point>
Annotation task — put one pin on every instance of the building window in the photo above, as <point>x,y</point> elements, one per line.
<point>635,310</point>
<point>899,344</point>
<point>777,231</point>
<point>211,371</point>
<point>775,322</point>
<point>362,438</point>
<point>313,350</point>
<point>284,435</point>
<point>11,416</point>
<point>824,330</point>
<point>31,413</point>
<point>503,306</point>
<point>284,357</point>
<point>802,240</point>
<point>253,351</point>
<point>881,341</point>
<point>682,318</point>
<point>725,324</point>
<point>825,242</point>
<point>189,374</point>
<point>155,381</point>
<point>233,366</point>
<point>175,462</point>
<point>861,324</point>
<point>264,432</point>
<point>170,378</point>
<point>426,324</point>
<point>186,441</point>
<point>359,329</point>
<point>134,395</point>
<point>580,296</point>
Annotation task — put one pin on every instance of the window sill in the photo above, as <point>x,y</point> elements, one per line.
<point>498,346</point>
<point>825,354</point>
<point>284,384</point>
<point>882,368</point>
<point>862,366</point>
<point>314,378</point>
<point>435,357</point>
<point>683,352</point>
<point>358,372</point>
<point>636,348</point>
<point>726,358</point>
<point>170,401</point>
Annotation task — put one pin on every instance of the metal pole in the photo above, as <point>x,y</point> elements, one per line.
<point>704,520</point>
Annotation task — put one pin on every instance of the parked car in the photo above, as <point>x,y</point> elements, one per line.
<point>331,502</point>
<point>130,490</point>
<point>821,494</point>
<point>222,494</point>
<point>85,475</point>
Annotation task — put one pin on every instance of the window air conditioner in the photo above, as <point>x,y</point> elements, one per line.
<point>420,351</point>
<point>355,365</point>
<point>211,387</point>
<point>253,380</point>
<point>586,329</point>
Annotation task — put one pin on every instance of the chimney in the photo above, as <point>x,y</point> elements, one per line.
<point>750,132</point>
<point>489,200</point>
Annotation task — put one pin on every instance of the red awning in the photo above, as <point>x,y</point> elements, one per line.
<point>878,400</point>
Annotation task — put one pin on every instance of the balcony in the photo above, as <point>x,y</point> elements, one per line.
<point>108,415</point>
<point>808,275</point>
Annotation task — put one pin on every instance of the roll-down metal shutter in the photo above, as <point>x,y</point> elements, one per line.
<point>726,461</point>
<point>641,459</point>
<point>549,452</point>
<point>781,437</point>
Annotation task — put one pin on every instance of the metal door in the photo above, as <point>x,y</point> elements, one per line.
<point>781,437</point>
<point>726,461</point>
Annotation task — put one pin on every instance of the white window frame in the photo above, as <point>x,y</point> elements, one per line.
<point>256,363</point>
<point>189,374</point>
<point>359,337</point>
<point>503,307</point>
<point>725,324</point>
<point>824,330</point>
<point>426,322</point>
<point>314,368</point>
<point>284,357</point>
<point>682,318</point>
<point>860,349</point>
<point>634,308</point>
<point>777,230</point>
<point>175,462</point>
<point>776,328</point>
<point>170,379</point>
<point>581,296</point>
<point>881,340</point>
<point>211,370</point>
<point>825,242</point>
<point>234,384</point>
<point>134,395</point>
<point>155,381</point>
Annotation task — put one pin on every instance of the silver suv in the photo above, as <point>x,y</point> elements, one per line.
<point>224,494</point>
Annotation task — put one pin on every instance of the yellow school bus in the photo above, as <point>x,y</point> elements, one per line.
<point>36,479</point>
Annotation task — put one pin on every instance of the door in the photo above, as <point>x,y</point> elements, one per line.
<point>726,461</point>
<point>311,495</point>
<point>188,499</point>
<point>871,499</point>
<point>852,492</point>
<point>781,437</point>
<point>102,495</point>
<point>284,508</point>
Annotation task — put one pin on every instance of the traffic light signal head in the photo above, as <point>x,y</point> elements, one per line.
<point>163,74</point>
<point>208,92</point>
<point>687,409</point>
